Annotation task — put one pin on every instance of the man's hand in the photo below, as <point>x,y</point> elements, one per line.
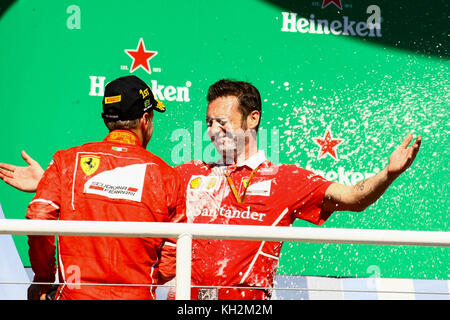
<point>339,197</point>
<point>22,178</point>
<point>402,158</point>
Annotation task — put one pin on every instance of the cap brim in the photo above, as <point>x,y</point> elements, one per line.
<point>160,107</point>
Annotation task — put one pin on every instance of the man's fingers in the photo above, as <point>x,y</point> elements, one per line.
<point>407,140</point>
<point>6,174</point>
<point>8,167</point>
<point>415,147</point>
<point>418,142</point>
<point>27,158</point>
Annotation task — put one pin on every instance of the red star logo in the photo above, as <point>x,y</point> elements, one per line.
<point>141,57</point>
<point>327,145</point>
<point>337,3</point>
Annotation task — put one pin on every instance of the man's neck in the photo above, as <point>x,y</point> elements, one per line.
<point>140,136</point>
<point>124,136</point>
<point>240,158</point>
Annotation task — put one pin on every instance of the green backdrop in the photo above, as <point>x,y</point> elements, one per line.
<point>317,65</point>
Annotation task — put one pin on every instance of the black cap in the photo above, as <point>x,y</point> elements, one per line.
<point>128,98</point>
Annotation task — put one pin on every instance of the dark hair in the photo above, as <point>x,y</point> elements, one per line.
<point>248,95</point>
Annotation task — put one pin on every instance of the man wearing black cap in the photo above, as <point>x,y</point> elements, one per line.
<point>246,190</point>
<point>113,180</point>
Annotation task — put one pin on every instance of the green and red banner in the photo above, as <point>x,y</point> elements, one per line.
<point>342,83</point>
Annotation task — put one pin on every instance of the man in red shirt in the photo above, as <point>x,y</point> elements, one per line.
<point>112,180</point>
<point>245,188</point>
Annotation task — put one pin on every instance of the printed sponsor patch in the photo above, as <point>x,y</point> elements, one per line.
<point>260,188</point>
<point>113,99</point>
<point>195,183</point>
<point>120,183</point>
<point>202,183</point>
<point>89,164</point>
<point>211,182</point>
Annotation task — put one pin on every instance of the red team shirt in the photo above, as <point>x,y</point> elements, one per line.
<point>277,195</point>
<point>113,180</point>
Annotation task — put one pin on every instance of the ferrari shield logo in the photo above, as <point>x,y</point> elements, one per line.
<point>89,164</point>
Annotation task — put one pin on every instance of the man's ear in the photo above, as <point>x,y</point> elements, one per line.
<point>253,119</point>
<point>145,118</point>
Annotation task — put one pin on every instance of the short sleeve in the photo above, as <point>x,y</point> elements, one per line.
<point>309,191</point>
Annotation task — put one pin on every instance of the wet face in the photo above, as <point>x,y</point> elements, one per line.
<point>226,127</point>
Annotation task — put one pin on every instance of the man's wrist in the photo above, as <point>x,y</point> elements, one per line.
<point>390,176</point>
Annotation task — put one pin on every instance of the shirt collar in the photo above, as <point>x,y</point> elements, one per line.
<point>123,136</point>
<point>253,162</point>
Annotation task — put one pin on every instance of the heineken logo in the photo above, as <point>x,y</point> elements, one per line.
<point>337,3</point>
<point>141,57</point>
<point>160,91</point>
<point>327,145</point>
<point>343,176</point>
<point>369,24</point>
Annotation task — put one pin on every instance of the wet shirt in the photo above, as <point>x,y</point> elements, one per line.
<point>113,180</point>
<point>275,196</point>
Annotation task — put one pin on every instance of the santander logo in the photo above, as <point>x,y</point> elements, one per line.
<point>230,213</point>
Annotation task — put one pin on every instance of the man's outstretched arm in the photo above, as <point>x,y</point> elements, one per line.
<point>22,178</point>
<point>339,197</point>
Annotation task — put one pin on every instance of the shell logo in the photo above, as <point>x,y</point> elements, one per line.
<point>195,183</point>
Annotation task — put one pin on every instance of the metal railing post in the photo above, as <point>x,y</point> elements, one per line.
<point>183,265</point>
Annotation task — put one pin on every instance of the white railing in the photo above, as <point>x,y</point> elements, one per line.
<point>186,232</point>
